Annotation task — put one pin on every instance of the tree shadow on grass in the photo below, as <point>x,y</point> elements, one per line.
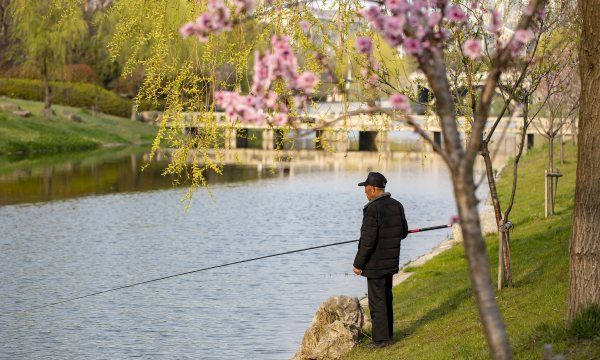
<point>528,278</point>
<point>445,308</point>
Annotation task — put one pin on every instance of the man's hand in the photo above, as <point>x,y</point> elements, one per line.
<point>357,271</point>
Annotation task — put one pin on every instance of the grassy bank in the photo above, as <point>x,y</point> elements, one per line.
<point>23,137</point>
<point>434,310</point>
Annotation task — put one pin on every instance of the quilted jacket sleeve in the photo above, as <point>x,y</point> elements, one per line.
<point>404,224</point>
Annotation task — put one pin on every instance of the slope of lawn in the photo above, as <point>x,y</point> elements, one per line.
<point>36,135</point>
<point>434,310</point>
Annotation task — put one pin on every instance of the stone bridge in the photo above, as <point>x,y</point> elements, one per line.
<point>373,130</point>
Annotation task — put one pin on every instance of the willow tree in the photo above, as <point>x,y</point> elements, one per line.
<point>47,31</point>
<point>182,74</point>
<point>5,23</point>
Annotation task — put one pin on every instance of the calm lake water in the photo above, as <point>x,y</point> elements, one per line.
<point>87,224</point>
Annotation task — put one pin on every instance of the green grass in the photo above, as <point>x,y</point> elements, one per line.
<point>36,135</point>
<point>434,310</point>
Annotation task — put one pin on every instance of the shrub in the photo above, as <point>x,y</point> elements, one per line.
<point>23,71</point>
<point>70,94</point>
<point>78,73</point>
<point>49,145</point>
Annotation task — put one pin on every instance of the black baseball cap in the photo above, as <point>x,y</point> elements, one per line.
<point>374,179</point>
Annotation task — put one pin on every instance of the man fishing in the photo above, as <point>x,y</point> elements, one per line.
<point>378,256</point>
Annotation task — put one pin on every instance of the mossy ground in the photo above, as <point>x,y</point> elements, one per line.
<point>33,136</point>
<point>435,312</point>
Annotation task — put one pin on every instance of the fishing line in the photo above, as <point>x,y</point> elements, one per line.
<point>223,265</point>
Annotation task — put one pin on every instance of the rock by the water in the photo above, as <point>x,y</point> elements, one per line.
<point>22,113</point>
<point>74,117</point>
<point>151,117</point>
<point>334,331</point>
<point>10,107</point>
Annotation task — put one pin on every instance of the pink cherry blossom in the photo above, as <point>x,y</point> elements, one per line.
<point>495,22</point>
<point>280,119</point>
<point>306,82</point>
<point>523,36</point>
<point>364,44</point>
<point>215,20</point>
<point>243,6</point>
<point>305,26</point>
<point>455,14</point>
<point>224,98</point>
<point>400,102</point>
<point>271,99</point>
<point>421,32</point>
<point>473,49</point>
<point>434,19</point>
<point>412,46</point>
<point>394,25</point>
<point>278,64</point>
<point>374,15</point>
<point>371,13</point>
<point>187,29</point>
<point>397,6</point>
<point>262,73</point>
<point>520,39</point>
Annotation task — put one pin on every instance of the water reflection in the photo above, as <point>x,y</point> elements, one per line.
<point>98,173</point>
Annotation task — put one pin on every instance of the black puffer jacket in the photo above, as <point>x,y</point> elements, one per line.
<point>384,225</point>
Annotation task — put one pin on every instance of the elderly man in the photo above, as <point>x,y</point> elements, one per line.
<point>383,226</point>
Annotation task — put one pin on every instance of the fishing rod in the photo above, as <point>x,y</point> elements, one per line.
<point>452,222</point>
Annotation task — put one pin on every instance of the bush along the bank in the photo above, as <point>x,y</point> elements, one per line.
<point>43,146</point>
<point>71,94</point>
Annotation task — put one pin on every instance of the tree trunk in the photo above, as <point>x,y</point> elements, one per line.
<point>584,249</point>
<point>513,191</point>
<point>503,249</point>
<point>479,270</point>
<point>551,154</point>
<point>47,91</point>
<point>562,147</point>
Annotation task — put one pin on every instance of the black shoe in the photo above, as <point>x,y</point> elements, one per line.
<point>379,344</point>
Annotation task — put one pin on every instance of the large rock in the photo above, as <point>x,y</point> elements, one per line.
<point>151,117</point>
<point>73,117</point>
<point>9,107</point>
<point>334,331</point>
<point>22,113</point>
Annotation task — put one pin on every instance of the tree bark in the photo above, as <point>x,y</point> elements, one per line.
<point>562,147</point>
<point>504,275</point>
<point>47,91</point>
<point>584,247</point>
<point>551,154</point>
<point>479,268</point>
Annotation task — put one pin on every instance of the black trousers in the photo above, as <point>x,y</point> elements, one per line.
<point>380,305</point>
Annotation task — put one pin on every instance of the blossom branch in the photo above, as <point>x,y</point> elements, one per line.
<point>499,63</point>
